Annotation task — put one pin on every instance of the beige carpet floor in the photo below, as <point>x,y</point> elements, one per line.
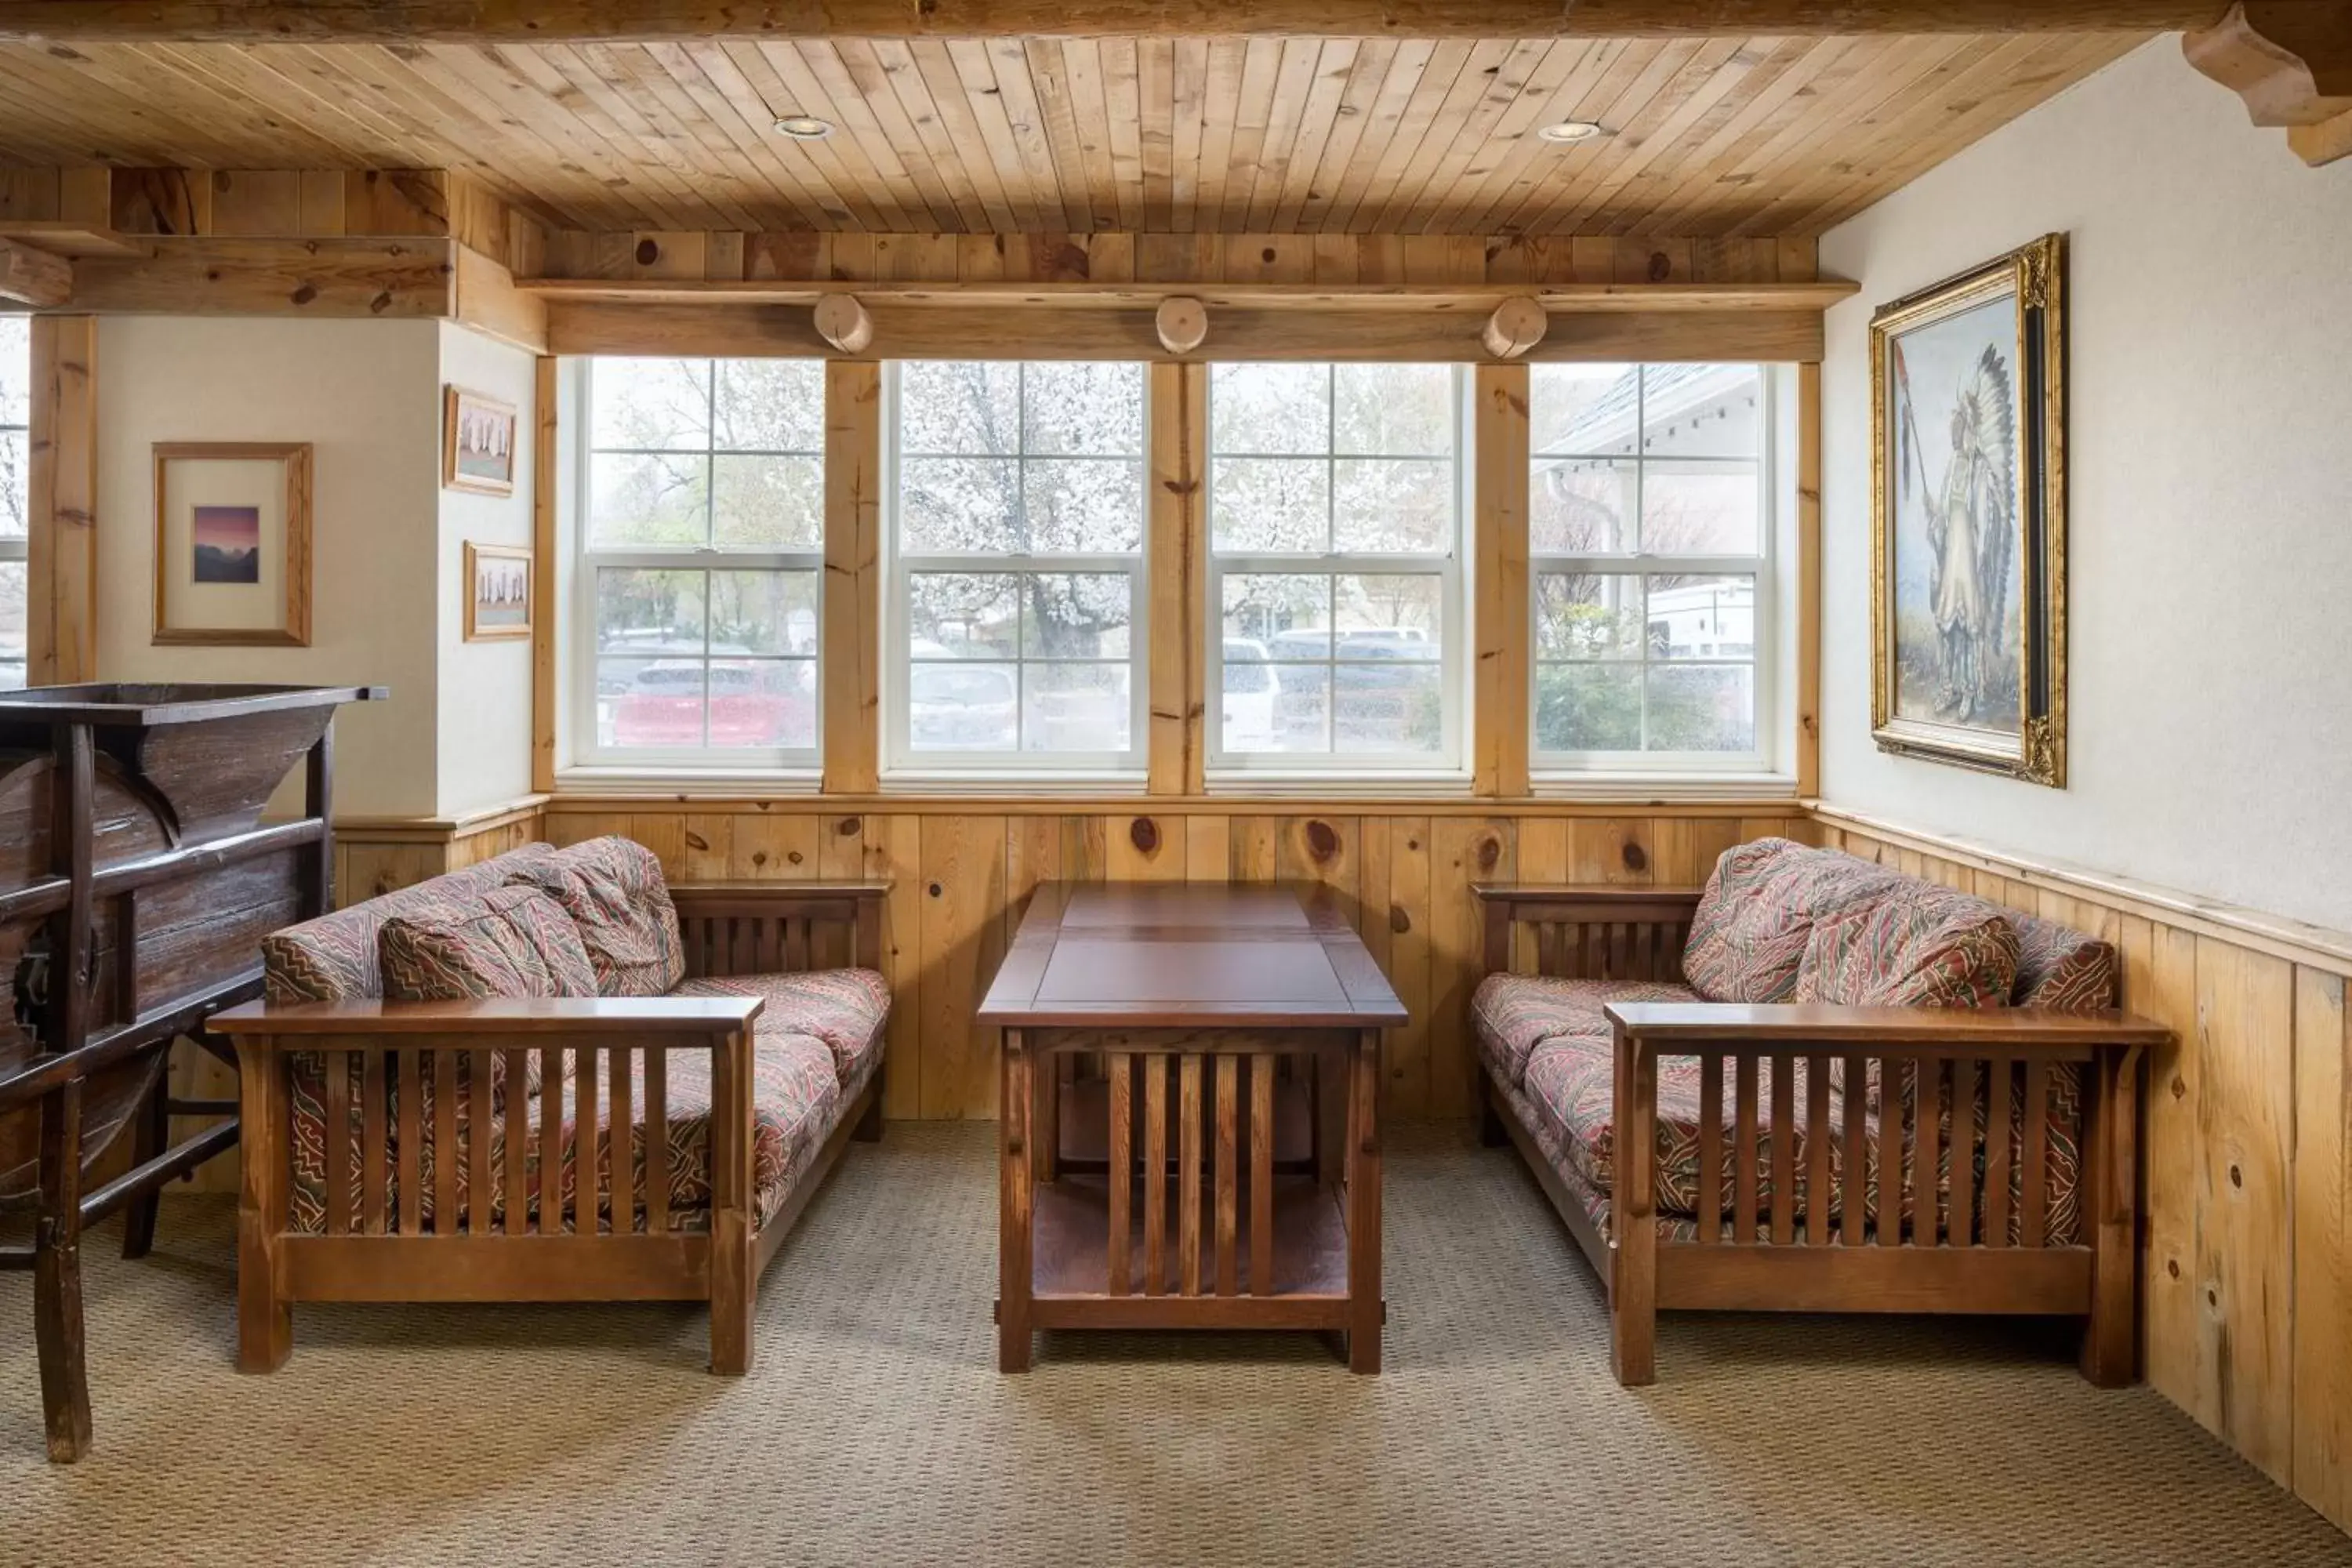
<point>875,1429</point>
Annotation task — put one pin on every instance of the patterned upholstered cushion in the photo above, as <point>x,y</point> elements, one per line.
<point>612,889</point>
<point>846,1008</point>
<point>1910,944</point>
<point>1515,1014</point>
<point>1571,1083</point>
<point>1749,934</point>
<point>1566,1105</point>
<point>798,1101</point>
<point>517,943</point>
<point>2061,968</point>
<point>334,959</point>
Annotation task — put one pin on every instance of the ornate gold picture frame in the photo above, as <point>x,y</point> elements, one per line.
<point>1967,599</point>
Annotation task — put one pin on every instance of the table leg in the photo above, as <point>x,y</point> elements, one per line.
<point>1328,1115</point>
<point>1014,1215</point>
<point>1365,1308</point>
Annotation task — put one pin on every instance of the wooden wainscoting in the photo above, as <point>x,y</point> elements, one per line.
<point>377,854</point>
<point>2246,1244</point>
<point>963,872</point>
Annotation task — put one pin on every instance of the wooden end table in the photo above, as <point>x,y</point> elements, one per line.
<point>1190,1135</point>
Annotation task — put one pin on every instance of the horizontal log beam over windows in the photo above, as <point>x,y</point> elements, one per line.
<point>549,21</point>
<point>991,330</point>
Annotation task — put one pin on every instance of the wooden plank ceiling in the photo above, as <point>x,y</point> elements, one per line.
<point>1706,136</point>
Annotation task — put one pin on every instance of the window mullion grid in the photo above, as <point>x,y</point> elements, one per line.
<point>1641,541</point>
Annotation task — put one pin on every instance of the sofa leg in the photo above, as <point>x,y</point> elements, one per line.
<point>730,1333</point>
<point>734,1291</point>
<point>265,1317</point>
<point>869,1126</point>
<point>1633,1344</point>
<point>1492,1133</point>
<point>2109,1358</point>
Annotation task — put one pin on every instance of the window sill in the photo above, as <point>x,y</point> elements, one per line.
<point>1382,785</point>
<point>1016,782</point>
<point>689,781</point>
<point>1655,788</point>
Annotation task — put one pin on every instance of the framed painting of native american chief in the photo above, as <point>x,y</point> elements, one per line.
<point>1969,519</point>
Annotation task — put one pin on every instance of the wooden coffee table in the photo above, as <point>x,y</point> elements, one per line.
<point>1189,1129</point>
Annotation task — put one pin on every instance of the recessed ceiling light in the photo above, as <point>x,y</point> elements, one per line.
<point>1569,130</point>
<point>804,126</point>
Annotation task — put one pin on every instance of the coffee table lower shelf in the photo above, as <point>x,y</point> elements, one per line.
<point>1070,1266</point>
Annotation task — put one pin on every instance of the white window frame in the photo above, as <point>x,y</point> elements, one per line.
<point>1450,763</point>
<point>587,560</point>
<point>901,763</point>
<point>1761,760</point>
<point>18,549</point>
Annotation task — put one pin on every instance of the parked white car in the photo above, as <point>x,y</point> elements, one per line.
<point>1248,702</point>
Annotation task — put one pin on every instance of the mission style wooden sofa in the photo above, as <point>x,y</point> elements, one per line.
<point>549,1077</point>
<point>1933,1109</point>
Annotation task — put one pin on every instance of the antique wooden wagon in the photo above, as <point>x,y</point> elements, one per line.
<point>137,879</point>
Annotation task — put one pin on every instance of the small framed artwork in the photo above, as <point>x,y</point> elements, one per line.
<point>1969,519</point>
<point>497,599</point>
<point>233,543</point>
<point>477,443</point>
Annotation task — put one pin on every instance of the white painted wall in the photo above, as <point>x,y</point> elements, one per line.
<point>366,396</point>
<point>484,734</point>
<point>2211,463</point>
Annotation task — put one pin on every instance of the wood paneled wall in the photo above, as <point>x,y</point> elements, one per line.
<point>962,872</point>
<point>2246,1239</point>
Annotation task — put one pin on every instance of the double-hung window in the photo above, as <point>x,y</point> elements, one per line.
<point>1335,565</point>
<point>1016,567</point>
<point>1650,539</point>
<point>15,499</point>
<point>701,547</point>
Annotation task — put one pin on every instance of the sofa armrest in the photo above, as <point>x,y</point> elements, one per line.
<point>694,1021</point>
<point>1792,1027</point>
<point>770,928</point>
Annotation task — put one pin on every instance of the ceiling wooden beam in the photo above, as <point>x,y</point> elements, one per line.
<point>398,278</point>
<point>33,278</point>
<point>552,21</point>
<point>2292,64</point>
<point>992,331</point>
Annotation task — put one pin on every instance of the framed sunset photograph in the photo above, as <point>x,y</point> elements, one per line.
<point>498,591</point>
<point>233,543</point>
<point>477,443</point>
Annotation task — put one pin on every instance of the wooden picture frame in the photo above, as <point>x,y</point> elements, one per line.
<point>1967,595</point>
<point>466,467</point>
<point>233,543</point>
<point>496,626</point>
